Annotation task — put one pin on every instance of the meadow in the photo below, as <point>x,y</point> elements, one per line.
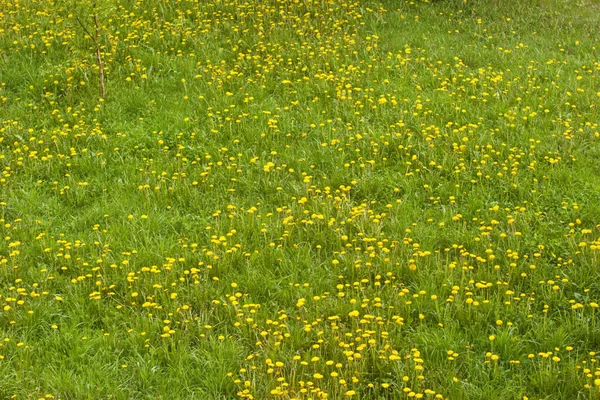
<point>300,199</point>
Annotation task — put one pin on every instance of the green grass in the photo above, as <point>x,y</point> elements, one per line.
<point>300,200</point>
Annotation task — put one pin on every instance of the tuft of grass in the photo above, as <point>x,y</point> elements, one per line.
<point>300,200</point>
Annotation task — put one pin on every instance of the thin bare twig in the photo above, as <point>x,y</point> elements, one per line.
<point>94,39</point>
<point>98,55</point>
<point>85,29</point>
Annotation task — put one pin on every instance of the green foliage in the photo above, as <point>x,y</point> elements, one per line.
<point>300,199</point>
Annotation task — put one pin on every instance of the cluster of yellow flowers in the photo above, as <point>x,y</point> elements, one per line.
<point>319,203</point>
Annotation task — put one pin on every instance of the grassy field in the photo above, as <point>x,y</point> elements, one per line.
<point>300,199</point>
